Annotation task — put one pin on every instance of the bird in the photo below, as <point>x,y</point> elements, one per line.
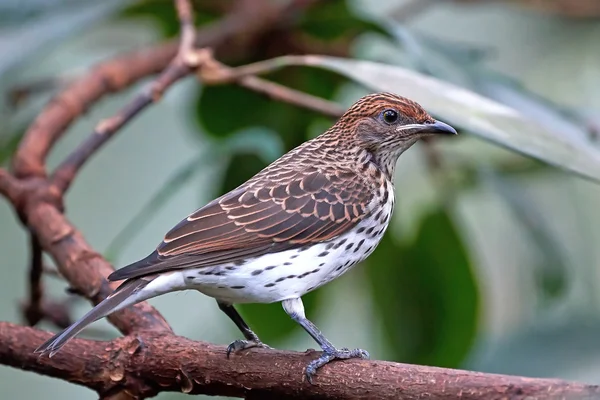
<point>304,220</point>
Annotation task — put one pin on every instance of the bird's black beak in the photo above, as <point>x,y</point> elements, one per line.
<point>438,127</point>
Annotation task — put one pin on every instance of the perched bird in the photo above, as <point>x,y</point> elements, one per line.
<point>301,222</point>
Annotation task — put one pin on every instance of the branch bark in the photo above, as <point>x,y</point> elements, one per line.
<point>149,363</point>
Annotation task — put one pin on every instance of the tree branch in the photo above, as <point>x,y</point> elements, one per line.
<point>173,363</point>
<point>186,60</point>
<point>247,20</point>
<point>212,72</point>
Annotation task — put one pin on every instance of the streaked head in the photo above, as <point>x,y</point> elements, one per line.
<point>387,122</point>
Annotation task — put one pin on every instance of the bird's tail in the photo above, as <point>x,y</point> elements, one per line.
<point>123,296</point>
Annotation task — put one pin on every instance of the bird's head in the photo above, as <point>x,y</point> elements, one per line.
<point>387,122</point>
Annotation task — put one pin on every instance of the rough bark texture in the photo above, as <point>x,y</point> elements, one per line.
<point>150,358</point>
<point>148,363</point>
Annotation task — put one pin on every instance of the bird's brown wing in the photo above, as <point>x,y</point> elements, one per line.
<point>271,214</point>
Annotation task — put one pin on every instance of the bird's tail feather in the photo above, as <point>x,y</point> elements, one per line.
<point>112,303</point>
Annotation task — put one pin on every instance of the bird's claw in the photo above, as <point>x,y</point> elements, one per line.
<point>239,345</point>
<point>330,355</point>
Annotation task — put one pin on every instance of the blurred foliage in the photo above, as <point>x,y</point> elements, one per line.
<point>426,294</point>
<point>551,273</point>
<point>215,106</point>
<point>257,144</point>
<point>563,145</point>
<point>47,27</point>
<point>464,65</point>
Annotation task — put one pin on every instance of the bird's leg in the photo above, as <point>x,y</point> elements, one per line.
<point>295,309</point>
<point>252,339</point>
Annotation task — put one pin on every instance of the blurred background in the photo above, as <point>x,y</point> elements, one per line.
<point>491,263</point>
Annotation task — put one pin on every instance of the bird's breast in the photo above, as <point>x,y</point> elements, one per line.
<point>292,273</point>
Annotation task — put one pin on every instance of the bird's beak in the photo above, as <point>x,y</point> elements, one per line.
<point>438,127</point>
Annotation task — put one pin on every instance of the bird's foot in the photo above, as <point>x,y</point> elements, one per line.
<point>239,345</point>
<point>330,355</point>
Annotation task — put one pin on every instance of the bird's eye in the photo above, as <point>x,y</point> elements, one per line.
<point>390,116</point>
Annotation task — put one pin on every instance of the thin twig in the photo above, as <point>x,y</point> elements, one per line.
<point>55,312</point>
<point>295,97</point>
<point>33,310</point>
<point>213,72</point>
<point>188,33</point>
<point>186,60</point>
<point>246,21</point>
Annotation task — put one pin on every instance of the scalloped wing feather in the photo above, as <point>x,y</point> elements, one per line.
<point>275,211</point>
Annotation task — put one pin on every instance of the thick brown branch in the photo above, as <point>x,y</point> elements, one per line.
<point>10,187</point>
<point>84,269</point>
<point>172,363</point>
<point>111,76</point>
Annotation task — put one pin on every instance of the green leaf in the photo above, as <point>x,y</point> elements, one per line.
<point>552,273</point>
<point>271,323</point>
<point>9,145</point>
<point>482,117</point>
<point>332,19</point>
<point>426,294</point>
<point>225,109</point>
<point>265,143</point>
<point>465,63</point>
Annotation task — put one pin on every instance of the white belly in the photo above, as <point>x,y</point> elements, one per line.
<point>291,273</point>
<point>284,275</point>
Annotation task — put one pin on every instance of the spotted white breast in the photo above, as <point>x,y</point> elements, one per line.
<point>287,274</point>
